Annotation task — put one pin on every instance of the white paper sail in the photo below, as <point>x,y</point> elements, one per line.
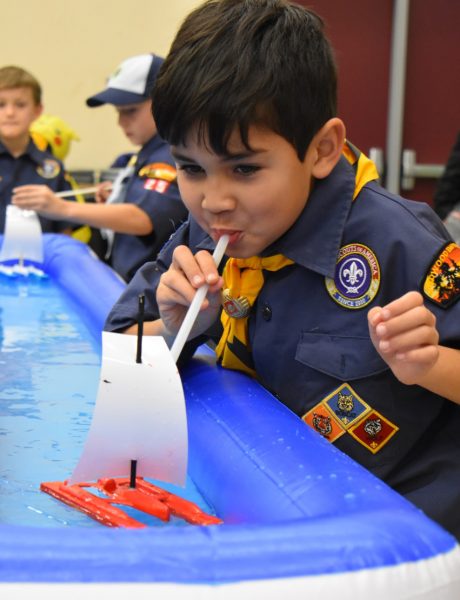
<point>139,414</point>
<point>22,239</point>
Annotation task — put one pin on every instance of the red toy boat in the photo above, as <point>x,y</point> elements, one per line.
<point>163,456</point>
<point>145,497</point>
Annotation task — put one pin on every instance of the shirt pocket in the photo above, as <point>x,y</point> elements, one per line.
<point>334,359</point>
<point>343,357</point>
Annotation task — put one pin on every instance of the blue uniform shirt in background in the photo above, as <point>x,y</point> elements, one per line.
<point>309,336</point>
<point>34,167</point>
<point>158,197</point>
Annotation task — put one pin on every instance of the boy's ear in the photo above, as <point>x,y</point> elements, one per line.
<point>328,145</point>
<point>38,110</point>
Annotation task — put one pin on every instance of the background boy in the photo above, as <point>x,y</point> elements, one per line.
<point>21,161</point>
<point>328,274</point>
<point>148,207</point>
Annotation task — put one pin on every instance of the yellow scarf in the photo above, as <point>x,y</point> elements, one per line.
<point>243,281</point>
<point>365,169</point>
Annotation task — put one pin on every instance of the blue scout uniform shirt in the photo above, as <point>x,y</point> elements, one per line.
<point>152,188</point>
<point>309,335</point>
<point>34,167</point>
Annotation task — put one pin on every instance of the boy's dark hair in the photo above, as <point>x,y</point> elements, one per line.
<point>243,62</point>
<point>16,77</point>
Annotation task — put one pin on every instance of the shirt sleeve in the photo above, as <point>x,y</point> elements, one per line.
<point>125,311</point>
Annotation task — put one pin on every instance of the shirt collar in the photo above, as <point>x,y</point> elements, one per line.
<point>35,153</point>
<point>315,238</point>
<point>147,149</point>
<point>32,151</point>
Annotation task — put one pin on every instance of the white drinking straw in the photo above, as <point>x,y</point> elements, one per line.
<point>76,192</point>
<point>194,308</point>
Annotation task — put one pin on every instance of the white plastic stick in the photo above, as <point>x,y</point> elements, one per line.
<point>77,192</point>
<point>194,308</point>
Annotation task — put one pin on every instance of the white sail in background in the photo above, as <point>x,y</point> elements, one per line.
<point>22,239</point>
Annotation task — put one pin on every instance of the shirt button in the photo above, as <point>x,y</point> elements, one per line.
<point>266,312</point>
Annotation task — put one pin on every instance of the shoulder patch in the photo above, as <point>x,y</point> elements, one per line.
<point>49,169</point>
<point>442,281</point>
<point>161,171</point>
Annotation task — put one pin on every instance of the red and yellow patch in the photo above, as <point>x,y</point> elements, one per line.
<point>442,282</point>
<point>156,171</point>
<point>374,431</point>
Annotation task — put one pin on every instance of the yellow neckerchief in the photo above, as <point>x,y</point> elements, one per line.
<point>243,280</point>
<point>365,169</point>
<point>82,233</point>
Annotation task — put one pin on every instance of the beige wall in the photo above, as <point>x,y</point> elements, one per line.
<point>71,47</point>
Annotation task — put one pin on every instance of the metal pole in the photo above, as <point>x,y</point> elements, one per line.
<point>397,94</point>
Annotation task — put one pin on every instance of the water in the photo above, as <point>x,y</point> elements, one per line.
<point>49,374</point>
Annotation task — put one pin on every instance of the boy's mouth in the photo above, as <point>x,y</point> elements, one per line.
<point>234,235</point>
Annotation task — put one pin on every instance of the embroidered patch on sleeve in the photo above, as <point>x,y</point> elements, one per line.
<point>322,421</point>
<point>373,431</point>
<point>157,185</point>
<point>442,282</point>
<point>49,168</point>
<point>158,171</point>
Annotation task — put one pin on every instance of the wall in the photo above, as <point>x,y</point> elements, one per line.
<point>361,33</point>
<point>72,47</point>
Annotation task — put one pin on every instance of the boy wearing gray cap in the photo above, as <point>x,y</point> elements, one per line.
<point>144,206</point>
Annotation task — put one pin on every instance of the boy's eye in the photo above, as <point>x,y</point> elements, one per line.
<point>246,169</point>
<point>127,112</point>
<point>190,169</point>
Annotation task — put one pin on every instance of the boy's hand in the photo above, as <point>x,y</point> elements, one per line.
<point>178,285</point>
<point>103,191</point>
<point>404,334</point>
<point>39,198</point>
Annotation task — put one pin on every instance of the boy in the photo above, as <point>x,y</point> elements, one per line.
<point>148,207</point>
<point>324,291</point>
<point>21,160</point>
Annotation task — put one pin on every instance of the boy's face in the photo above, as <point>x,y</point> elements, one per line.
<point>137,122</point>
<point>18,110</point>
<point>255,196</point>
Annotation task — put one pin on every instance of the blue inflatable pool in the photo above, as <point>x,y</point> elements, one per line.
<point>301,519</point>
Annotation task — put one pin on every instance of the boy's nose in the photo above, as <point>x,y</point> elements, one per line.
<point>217,204</point>
<point>217,198</point>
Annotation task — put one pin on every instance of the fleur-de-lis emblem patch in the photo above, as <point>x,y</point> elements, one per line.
<point>357,277</point>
